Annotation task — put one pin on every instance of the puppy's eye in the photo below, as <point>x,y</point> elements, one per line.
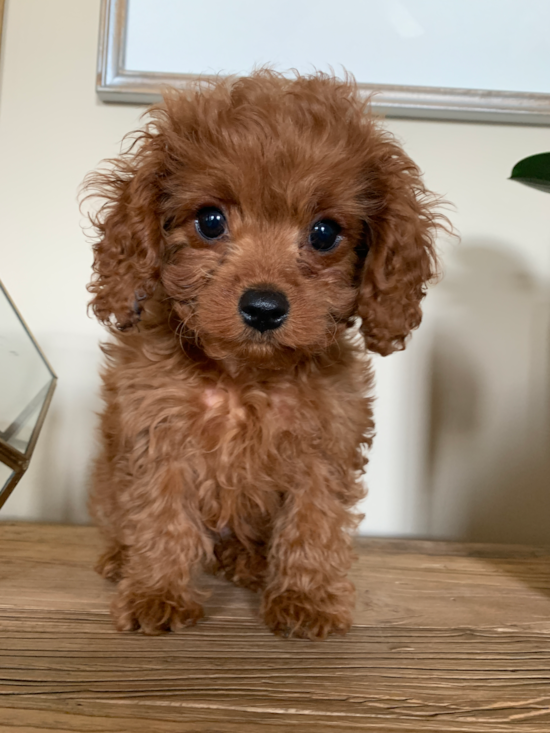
<point>210,223</point>
<point>325,235</point>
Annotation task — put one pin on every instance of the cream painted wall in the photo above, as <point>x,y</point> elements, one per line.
<point>463,415</point>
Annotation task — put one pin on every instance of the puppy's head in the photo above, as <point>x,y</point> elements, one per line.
<point>264,214</point>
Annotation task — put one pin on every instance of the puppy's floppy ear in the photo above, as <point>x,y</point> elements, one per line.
<point>401,259</point>
<point>128,224</point>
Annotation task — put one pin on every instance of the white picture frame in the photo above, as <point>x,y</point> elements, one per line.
<point>116,83</point>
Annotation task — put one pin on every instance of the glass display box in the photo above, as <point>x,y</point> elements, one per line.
<point>27,384</point>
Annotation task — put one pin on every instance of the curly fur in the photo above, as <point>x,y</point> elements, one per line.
<point>223,447</point>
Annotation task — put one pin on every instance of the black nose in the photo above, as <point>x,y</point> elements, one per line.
<point>263,310</point>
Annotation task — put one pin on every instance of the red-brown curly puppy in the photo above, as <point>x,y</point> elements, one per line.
<point>240,235</point>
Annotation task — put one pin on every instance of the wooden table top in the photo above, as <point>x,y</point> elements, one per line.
<point>448,638</point>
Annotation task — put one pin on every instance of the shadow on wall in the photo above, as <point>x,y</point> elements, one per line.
<point>489,440</point>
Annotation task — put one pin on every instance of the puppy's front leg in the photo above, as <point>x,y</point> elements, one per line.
<point>164,545</point>
<point>308,593</point>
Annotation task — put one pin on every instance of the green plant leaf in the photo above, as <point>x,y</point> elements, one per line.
<point>533,171</point>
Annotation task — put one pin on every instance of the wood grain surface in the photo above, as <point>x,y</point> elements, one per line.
<point>447,638</point>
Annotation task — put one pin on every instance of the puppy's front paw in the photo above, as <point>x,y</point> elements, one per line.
<point>295,614</point>
<point>152,614</point>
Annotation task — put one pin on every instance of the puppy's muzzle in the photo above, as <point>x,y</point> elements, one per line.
<point>264,310</point>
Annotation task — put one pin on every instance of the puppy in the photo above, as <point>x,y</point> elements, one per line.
<point>242,233</point>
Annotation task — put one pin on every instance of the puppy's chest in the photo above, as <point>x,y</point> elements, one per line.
<point>233,413</point>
